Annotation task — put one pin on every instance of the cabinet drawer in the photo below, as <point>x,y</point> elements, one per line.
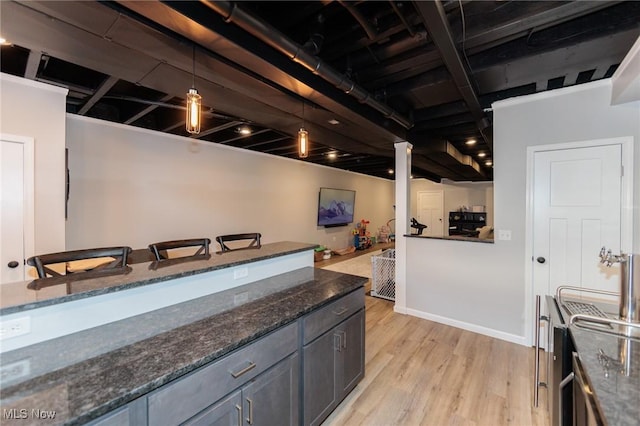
<point>327,317</point>
<point>182,399</point>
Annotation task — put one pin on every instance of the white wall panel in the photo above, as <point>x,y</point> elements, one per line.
<point>484,284</point>
<point>133,187</point>
<point>37,110</point>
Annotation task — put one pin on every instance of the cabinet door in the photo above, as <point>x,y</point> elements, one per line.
<point>350,363</point>
<point>134,414</point>
<point>227,412</point>
<point>319,378</point>
<point>272,397</point>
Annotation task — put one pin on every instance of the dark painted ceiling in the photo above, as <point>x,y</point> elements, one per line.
<point>381,72</point>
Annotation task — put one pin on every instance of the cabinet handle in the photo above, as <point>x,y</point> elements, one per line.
<point>342,340</point>
<point>250,418</point>
<point>239,408</point>
<point>249,367</point>
<point>341,311</point>
<point>337,338</point>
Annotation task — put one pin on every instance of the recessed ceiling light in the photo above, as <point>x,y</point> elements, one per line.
<point>332,155</point>
<point>334,121</point>
<point>482,154</point>
<point>489,163</point>
<point>471,142</point>
<point>390,171</point>
<point>244,130</point>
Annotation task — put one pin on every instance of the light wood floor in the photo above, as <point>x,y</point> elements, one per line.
<point>418,372</point>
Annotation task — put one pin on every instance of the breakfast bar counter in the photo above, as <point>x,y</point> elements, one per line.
<point>20,296</point>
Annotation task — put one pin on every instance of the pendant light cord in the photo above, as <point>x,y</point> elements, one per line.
<point>193,74</point>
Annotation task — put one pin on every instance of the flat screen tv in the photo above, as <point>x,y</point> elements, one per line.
<point>335,207</point>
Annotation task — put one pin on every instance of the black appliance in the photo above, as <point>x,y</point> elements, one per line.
<point>559,367</point>
<point>466,223</point>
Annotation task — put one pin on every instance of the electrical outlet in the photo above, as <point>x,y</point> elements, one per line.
<point>240,273</point>
<point>504,234</point>
<point>240,298</point>
<point>15,370</point>
<point>15,327</point>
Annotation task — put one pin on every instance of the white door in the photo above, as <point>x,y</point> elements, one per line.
<point>430,210</point>
<point>16,192</point>
<point>577,210</point>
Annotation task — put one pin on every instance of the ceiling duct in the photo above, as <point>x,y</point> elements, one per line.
<point>366,26</point>
<point>447,155</point>
<point>271,36</point>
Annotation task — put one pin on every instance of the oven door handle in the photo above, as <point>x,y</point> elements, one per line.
<point>536,382</point>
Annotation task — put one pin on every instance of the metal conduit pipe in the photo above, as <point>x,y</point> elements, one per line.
<point>271,36</point>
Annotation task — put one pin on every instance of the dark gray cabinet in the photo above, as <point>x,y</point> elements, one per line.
<point>227,412</point>
<point>185,398</point>
<point>333,363</point>
<point>271,395</point>
<point>260,383</point>
<point>132,414</point>
<point>350,355</point>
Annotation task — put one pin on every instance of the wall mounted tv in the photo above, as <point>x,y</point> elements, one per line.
<point>335,207</point>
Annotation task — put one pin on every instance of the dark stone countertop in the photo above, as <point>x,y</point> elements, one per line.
<point>87,374</point>
<point>617,394</point>
<point>21,296</point>
<point>617,389</point>
<point>452,238</point>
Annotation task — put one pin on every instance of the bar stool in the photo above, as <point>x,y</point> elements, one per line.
<point>85,260</point>
<point>253,237</point>
<point>159,250</point>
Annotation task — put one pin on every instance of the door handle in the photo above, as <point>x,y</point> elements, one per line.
<point>541,259</point>
<point>13,264</point>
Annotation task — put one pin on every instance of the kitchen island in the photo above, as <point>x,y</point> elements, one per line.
<point>128,370</point>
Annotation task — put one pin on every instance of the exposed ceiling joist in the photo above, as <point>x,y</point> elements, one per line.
<point>506,48</point>
<point>435,19</point>
<point>102,90</point>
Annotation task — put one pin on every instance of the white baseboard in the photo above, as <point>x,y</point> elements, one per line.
<point>520,340</point>
<point>400,309</point>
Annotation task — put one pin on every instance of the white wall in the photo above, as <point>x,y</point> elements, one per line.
<point>37,110</point>
<point>455,195</point>
<point>131,186</point>
<point>484,289</point>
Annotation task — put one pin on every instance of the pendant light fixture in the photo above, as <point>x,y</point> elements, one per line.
<point>194,103</point>
<point>303,139</point>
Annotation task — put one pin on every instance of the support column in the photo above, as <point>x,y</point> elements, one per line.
<point>403,186</point>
